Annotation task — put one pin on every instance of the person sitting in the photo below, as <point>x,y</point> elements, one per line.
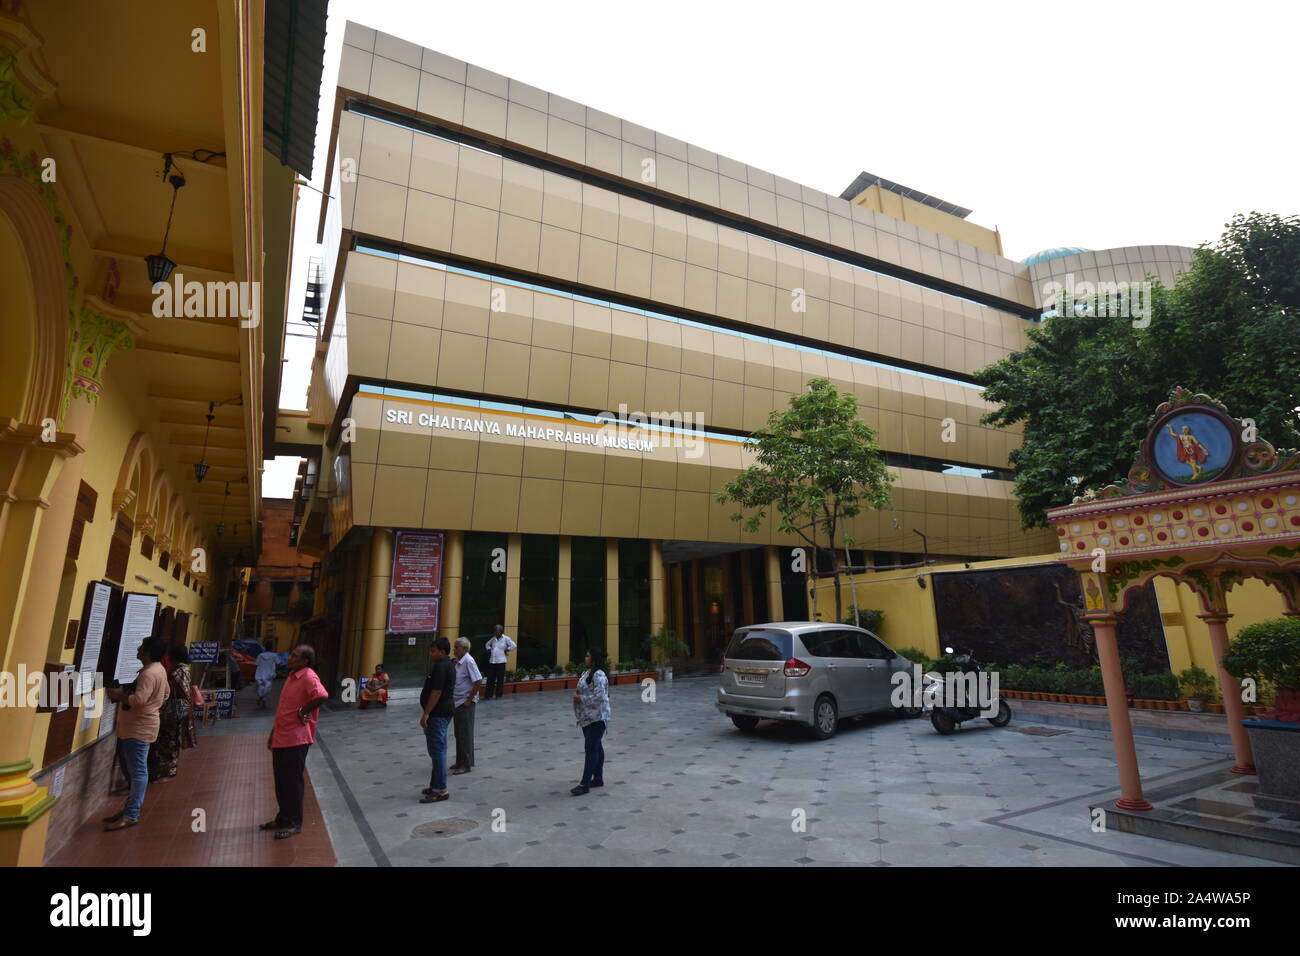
<point>376,689</point>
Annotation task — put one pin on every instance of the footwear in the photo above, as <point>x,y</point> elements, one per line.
<point>272,825</point>
<point>115,817</point>
<point>286,833</point>
<point>435,797</point>
<point>579,790</point>
<point>597,783</point>
<point>124,824</point>
<point>460,770</point>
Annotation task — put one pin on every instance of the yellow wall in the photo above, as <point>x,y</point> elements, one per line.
<point>122,411</point>
<point>927,217</point>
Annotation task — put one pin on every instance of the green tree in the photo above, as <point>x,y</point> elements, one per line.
<point>817,466</point>
<point>1085,386</point>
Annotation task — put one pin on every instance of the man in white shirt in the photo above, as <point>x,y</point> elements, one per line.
<point>469,683</point>
<point>267,661</point>
<point>498,646</point>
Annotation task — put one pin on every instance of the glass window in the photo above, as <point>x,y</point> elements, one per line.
<point>633,599</point>
<point>483,590</point>
<point>586,596</point>
<point>872,648</point>
<point>538,597</point>
<point>761,646</point>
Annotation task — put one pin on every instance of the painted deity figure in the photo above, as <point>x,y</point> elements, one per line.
<point>1190,450</point>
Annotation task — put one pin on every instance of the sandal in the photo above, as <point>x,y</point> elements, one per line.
<point>115,817</point>
<point>459,770</point>
<point>272,825</point>
<point>435,797</point>
<point>285,834</point>
<point>124,824</point>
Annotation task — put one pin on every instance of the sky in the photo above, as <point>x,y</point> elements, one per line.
<point>1099,125</point>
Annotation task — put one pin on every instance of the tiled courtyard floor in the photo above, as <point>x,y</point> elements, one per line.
<point>684,788</point>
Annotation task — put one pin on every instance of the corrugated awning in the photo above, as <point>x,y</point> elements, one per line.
<point>295,63</point>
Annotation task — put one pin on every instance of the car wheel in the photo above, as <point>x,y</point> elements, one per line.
<point>745,724</point>
<point>942,722</point>
<point>825,717</point>
<point>1004,715</point>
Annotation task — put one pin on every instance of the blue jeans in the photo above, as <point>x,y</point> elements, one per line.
<point>593,770</point>
<point>136,756</point>
<point>435,735</point>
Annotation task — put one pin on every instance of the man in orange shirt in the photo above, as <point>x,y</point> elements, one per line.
<point>292,735</point>
<point>137,727</point>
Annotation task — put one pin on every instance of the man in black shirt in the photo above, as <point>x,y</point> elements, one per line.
<point>438,706</point>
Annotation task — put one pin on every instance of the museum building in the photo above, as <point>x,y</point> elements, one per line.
<point>546,334</point>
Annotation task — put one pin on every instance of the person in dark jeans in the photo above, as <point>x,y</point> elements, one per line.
<point>437,705</point>
<point>291,737</point>
<point>591,708</point>
<point>498,646</point>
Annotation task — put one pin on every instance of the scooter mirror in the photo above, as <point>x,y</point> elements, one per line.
<point>947,650</point>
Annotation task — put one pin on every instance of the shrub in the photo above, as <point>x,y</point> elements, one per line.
<point>1267,651</point>
<point>1197,684</point>
<point>915,656</point>
<point>868,618</point>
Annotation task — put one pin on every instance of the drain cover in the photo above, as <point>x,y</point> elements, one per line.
<point>1039,731</point>
<point>444,828</point>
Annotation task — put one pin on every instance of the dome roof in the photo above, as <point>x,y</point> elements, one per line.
<point>1054,253</point>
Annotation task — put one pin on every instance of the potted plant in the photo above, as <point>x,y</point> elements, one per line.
<point>1198,688</point>
<point>1269,652</point>
<point>666,646</point>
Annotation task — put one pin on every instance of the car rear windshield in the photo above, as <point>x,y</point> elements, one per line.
<point>760,646</point>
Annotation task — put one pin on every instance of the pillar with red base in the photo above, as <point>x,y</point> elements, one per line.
<point>1121,730</point>
<point>1232,704</point>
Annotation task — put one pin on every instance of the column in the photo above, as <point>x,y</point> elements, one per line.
<point>658,610</point>
<point>377,586</point>
<point>453,579</point>
<point>564,602</point>
<point>611,599</point>
<point>775,603</point>
<point>514,561</point>
<point>1121,731</point>
<point>1232,705</point>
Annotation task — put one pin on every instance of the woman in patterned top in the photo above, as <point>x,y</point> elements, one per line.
<point>591,707</point>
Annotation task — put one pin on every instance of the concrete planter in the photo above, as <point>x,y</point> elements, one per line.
<point>1276,745</point>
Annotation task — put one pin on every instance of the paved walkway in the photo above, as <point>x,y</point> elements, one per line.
<point>684,788</point>
<point>228,777</point>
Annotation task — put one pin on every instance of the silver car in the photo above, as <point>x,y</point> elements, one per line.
<point>809,673</point>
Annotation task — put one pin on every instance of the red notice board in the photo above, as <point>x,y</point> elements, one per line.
<point>412,614</point>
<point>417,563</point>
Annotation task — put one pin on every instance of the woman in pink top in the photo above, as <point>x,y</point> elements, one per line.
<point>137,727</point>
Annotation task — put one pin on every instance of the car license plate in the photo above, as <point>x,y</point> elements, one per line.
<point>751,677</point>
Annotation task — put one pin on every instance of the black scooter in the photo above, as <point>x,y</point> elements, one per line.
<point>946,719</point>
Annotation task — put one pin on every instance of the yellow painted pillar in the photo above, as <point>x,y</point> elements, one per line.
<point>453,579</point>
<point>514,562</point>
<point>1232,705</point>
<point>377,585</point>
<point>775,604</point>
<point>564,602</point>
<point>1121,730</point>
<point>611,599</point>
<point>658,594</point>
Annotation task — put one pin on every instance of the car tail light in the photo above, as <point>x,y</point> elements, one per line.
<point>796,668</point>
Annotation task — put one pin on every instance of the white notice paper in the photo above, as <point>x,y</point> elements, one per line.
<point>56,785</point>
<point>94,634</point>
<point>66,691</point>
<point>137,626</point>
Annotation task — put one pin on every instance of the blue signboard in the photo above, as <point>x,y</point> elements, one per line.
<point>225,702</point>
<point>204,652</point>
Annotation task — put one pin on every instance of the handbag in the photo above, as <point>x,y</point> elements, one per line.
<point>196,697</point>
